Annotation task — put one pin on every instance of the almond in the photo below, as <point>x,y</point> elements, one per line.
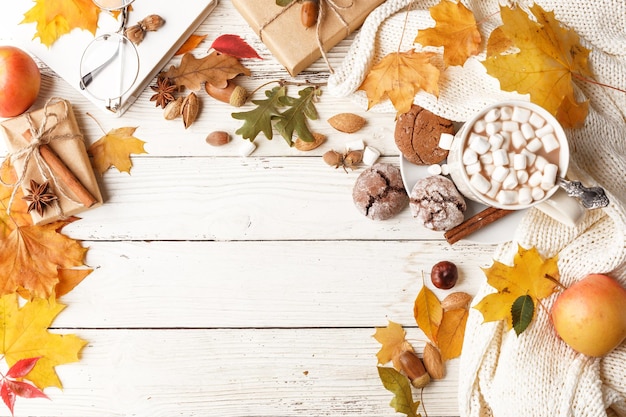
<point>456,300</point>
<point>433,362</point>
<point>190,109</point>
<point>302,145</point>
<point>347,122</point>
<point>173,108</point>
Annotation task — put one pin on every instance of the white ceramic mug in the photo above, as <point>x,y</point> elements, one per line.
<point>554,201</point>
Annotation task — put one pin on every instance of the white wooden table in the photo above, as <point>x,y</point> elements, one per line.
<point>231,286</point>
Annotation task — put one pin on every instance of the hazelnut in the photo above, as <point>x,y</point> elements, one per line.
<point>444,275</point>
<point>135,34</point>
<point>152,22</point>
<point>218,138</point>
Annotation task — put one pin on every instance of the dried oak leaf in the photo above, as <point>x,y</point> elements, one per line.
<point>399,385</point>
<point>24,334</point>
<point>115,148</point>
<point>428,313</point>
<point>56,18</point>
<point>455,29</point>
<point>260,118</point>
<point>190,44</point>
<point>399,76</point>
<point>31,257</point>
<point>214,68</point>
<point>546,59</point>
<point>530,275</point>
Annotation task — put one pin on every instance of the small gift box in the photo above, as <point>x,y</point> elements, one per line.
<point>46,145</point>
<point>295,46</point>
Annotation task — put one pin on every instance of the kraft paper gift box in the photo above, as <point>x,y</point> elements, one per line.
<point>293,45</point>
<point>64,162</point>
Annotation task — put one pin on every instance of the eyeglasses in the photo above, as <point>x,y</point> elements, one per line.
<point>110,63</point>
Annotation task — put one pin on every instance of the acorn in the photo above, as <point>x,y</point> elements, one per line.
<point>233,94</point>
<point>309,12</point>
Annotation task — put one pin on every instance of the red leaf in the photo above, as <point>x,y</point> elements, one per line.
<point>7,396</point>
<point>25,390</point>
<point>22,367</point>
<point>234,45</point>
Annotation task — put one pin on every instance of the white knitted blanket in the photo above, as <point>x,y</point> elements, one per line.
<point>535,374</point>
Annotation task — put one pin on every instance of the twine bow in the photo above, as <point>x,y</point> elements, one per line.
<point>39,136</point>
<point>333,6</point>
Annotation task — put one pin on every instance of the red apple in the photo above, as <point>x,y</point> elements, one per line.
<point>20,80</point>
<point>590,315</point>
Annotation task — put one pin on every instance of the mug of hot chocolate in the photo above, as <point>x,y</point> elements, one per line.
<point>513,155</point>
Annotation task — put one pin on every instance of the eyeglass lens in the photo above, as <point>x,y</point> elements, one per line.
<point>112,4</point>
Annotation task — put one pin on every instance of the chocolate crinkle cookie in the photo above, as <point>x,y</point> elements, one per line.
<point>437,203</point>
<point>417,136</point>
<point>379,192</point>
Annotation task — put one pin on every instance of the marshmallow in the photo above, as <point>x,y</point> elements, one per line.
<point>544,130</point>
<point>519,161</point>
<point>537,193</point>
<point>489,168</point>
<point>493,191</point>
<point>550,142</point>
<point>530,157</point>
<point>479,144</point>
<point>506,113</point>
<point>492,115</point>
<point>500,173</point>
<point>535,179</point>
<point>472,169</point>
<point>536,121</point>
<point>445,169</point>
<point>445,141</point>
<point>528,131</point>
<point>434,169</point>
<point>518,140</point>
<point>486,159</point>
<point>549,173</point>
<point>370,155</point>
<point>525,196</point>
<point>520,114</point>
<point>500,157</point>
<point>540,162</point>
<point>510,126</point>
<point>480,183</point>
<point>534,145</point>
<point>510,182</point>
<point>469,156</point>
<point>246,148</point>
<point>479,126</point>
<point>507,197</point>
<point>522,176</point>
<point>355,145</point>
<point>493,128</point>
<point>496,141</point>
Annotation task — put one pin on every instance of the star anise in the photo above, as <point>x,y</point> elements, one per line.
<point>164,90</point>
<point>39,197</point>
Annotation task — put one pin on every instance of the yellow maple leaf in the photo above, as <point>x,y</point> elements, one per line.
<point>24,334</point>
<point>530,275</point>
<point>55,18</point>
<point>428,313</point>
<point>452,332</point>
<point>31,256</point>
<point>114,149</point>
<point>399,76</point>
<point>392,339</point>
<point>455,29</point>
<point>546,59</point>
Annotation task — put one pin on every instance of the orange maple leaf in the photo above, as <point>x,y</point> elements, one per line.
<point>55,18</point>
<point>399,76</point>
<point>190,44</point>
<point>18,215</point>
<point>546,59</point>
<point>31,256</point>
<point>455,29</point>
<point>114,149</point>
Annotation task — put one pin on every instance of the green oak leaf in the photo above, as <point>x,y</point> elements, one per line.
<point>399,385</point>
<point>294,118</point>
<point>259,119</point>
<point>522,312</point>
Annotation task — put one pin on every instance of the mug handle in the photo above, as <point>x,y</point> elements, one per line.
<point>563,208</point>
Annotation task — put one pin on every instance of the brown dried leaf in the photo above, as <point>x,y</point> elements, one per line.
<point>214,68</point>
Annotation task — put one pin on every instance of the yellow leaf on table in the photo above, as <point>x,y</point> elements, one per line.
<point>31,256</point>
<point>428,313</point>
<point>455,29</point>
<point>19,215</point>
<point>546,60</point>
<point>24,334</point>
<point>55,18</point>
<point>399,76</point>
<point>530,275</point>
<point>452,332</point>
<point>114,149</point>
<point>392,340</point>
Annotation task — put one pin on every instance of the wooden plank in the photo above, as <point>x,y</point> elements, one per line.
<point>260,284</point>
<point>230,373</point>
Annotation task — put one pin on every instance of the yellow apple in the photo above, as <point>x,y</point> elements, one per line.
<point>590,315</point>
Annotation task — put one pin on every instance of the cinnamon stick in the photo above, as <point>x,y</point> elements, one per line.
<point>475,223</point>
<point>58,167</point>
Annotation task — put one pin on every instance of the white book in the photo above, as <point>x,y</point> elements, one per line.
<point>66,55</point>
